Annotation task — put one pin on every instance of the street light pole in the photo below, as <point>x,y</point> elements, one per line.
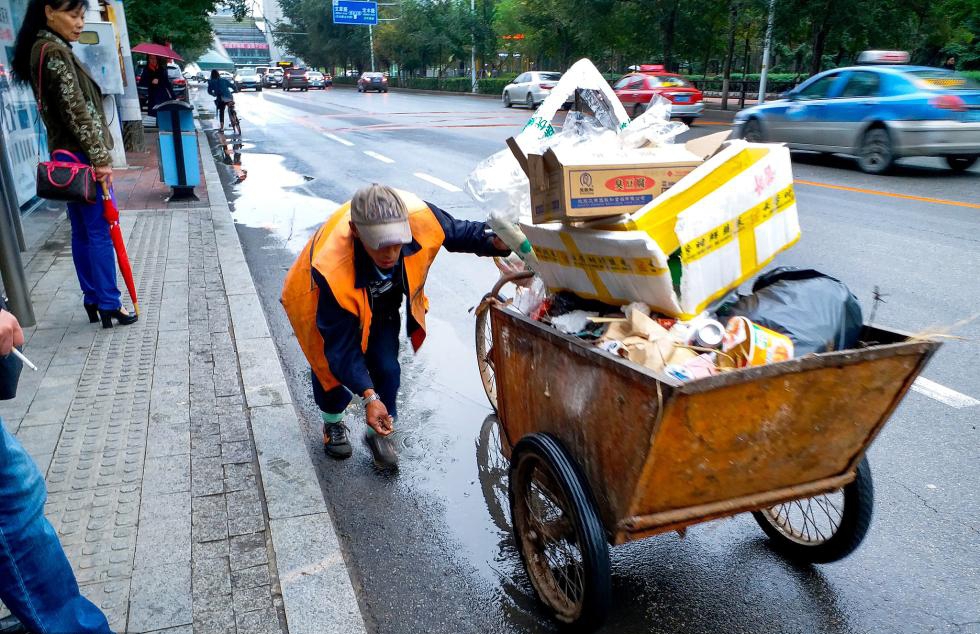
<point>11,265</point>
<point>371,39</point>
<point>765,52</point>
<point>473,84</point>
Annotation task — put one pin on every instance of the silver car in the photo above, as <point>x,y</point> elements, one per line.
<point>530,88</point>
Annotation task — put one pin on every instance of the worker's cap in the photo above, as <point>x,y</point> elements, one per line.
<point>380,216</point>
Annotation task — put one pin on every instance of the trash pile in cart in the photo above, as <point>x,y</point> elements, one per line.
<point>639,243</point>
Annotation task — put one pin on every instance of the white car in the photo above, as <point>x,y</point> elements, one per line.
<point>530,89</point>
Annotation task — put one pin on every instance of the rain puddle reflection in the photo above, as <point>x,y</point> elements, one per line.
<point>267,195</point>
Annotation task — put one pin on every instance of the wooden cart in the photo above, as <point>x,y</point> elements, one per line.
<point>604,451</point>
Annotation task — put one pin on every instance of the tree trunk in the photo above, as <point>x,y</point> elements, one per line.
<point>670,29</point>
<point>821,31</point>
<point>745,70</point>
<point>730,52</point>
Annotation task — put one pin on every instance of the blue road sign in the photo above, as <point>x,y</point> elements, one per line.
<point>355,12</point>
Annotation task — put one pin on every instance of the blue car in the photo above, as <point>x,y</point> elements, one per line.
<point>877,114</point>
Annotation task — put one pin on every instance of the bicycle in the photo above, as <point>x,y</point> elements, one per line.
<point>236,125</point>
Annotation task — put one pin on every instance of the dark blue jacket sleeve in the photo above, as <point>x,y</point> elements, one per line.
<point>466,236</point>
<point>341,332</point>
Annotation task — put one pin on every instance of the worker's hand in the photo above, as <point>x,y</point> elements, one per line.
<point>378,418</point>
<point>499,244</point>
<point>10,333</point>
<point>103,173</point>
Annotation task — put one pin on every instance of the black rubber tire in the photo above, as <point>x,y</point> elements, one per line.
<point>507,102</point>
<point>529,102</point>
<point>638,109</point>
<point>542,450</point>
<point>875,156</point>
<point>688,121</point>
<point>385,90</point>
<point>258,90</point>
<point>753,132</point>
<point>855,520</point>
<point>960,163</point>
<point>492,465</point>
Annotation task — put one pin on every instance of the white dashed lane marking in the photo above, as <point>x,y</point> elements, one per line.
<point>380,157</point>
<point>336,138</point>
<point>943,394</point>
<point>449,187</point>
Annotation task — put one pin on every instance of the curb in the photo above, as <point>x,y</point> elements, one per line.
<point>316,588</point>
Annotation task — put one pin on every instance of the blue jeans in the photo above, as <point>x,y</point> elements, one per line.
<point>36,581</point>
<point>382,363</point>
<point>93,253</point>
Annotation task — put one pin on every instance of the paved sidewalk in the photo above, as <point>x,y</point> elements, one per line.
<point>178,479</point>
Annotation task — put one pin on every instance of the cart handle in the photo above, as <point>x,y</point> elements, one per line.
<point>507,279</point>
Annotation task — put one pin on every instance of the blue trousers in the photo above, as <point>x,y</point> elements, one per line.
<point>382,364</point>
<point>36,581</point>
<point>94,256</point>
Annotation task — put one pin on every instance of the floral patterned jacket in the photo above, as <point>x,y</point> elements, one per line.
<point>71,101</point>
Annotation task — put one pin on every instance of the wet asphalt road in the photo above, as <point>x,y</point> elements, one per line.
<point>430,549</point>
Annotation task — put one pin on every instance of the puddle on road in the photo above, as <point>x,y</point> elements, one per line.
<point>266,195</point>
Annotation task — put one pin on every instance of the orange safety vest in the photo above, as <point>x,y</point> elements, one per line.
<point>331,252</point>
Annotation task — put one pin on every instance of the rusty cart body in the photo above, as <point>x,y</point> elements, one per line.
<point>604,451</point>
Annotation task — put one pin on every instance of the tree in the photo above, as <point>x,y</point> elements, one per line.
<point>181,23</point>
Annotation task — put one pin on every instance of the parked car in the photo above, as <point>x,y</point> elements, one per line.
<point>247,78</point>
<point>295,78</point>
<point>317,80</point>
<point>372,81</point>
<point>877,112</point>
<point>273,78</point>
<point>176,80</point>
<point>530,88</point>
<point>226,75</point>
<point>637,90</point>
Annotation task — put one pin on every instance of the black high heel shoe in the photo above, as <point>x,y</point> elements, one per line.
<point>124,319</point>
<point>93,312</point>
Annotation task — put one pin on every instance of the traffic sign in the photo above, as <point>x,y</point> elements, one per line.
<point>355,12</point>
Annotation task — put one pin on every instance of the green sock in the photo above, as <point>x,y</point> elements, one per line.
<point>332,419</point>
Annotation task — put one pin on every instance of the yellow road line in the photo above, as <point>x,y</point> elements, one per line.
<point>874,192</point>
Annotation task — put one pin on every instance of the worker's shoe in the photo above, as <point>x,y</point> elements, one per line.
<point>383,451</point>
<point>336,444</point>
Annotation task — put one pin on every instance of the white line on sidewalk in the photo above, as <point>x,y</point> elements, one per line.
<point>336,138</point>
<point>380,157</point>
<point>943,394</point>
<point>449,187</point>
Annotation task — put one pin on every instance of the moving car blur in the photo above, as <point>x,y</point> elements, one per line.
<point>372,81</point>
<point>637,90</point>
<point>530,89</point>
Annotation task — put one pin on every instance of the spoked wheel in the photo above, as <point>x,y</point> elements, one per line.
<point>484,343</point>
<point>558,533</point>
<point>493,465</point>
<point>823,528</point>
<point>753,131</point>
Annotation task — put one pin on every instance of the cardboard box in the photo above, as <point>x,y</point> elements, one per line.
<point>565,190</point>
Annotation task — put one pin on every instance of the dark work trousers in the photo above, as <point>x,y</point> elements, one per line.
<point>382,365</point>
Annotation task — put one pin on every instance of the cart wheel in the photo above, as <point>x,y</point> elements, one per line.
<point>558,533</point>
<point>492,465</point>
<point>824,528</point>
<point>484,342</point>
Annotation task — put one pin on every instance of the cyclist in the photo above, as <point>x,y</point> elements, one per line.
<point>223,92</point>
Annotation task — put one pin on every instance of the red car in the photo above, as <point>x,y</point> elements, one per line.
<point>636,90</point>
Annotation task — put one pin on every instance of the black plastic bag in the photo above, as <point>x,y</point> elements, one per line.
<point>816,311</point>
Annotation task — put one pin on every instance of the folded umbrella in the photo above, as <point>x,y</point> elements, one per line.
<point>160,50</point>
<point>111,213</point>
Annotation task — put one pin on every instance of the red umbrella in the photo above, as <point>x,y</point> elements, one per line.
<point>160,50</point>
<point>111,214</point>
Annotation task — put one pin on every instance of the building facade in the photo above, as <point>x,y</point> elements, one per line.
<point>244,42</point>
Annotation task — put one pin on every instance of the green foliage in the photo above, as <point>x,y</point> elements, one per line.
<point>694,37</point>
<point>494,85</point>
<point>182,23</point>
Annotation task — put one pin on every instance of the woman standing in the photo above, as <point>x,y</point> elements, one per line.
<point>157,83</point>
<point>71,108</point>
<point>223,92</point>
